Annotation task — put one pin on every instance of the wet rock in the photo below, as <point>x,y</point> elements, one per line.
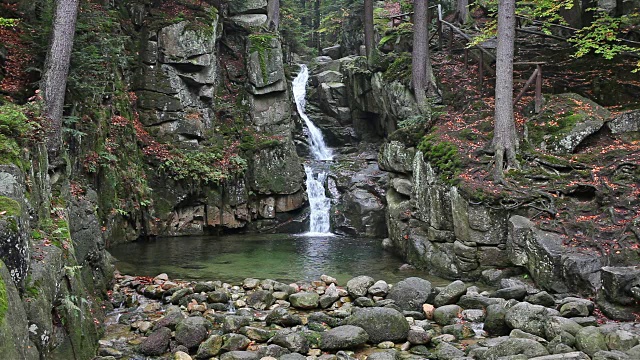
<point>590,340</point>
<point>343,337</point>
<point>450,294</point>
<point>210,347</point>
<point>514,346</point>
<point>359,285</point>
<point>178,295</point>
<point>304,300</point>
<point>320,317</point>
<point>621,340</point>
<point>473,315</point>
<point>460,331</point>
<point>260,299</point>
<point>292,340</point>
<point>257,334</point>
<point>240,355</point>
<point>363,301</point>
<point>411,293</point>
<point>218,297</point>
<point>327,300</point>
<point>191,331</point>
<point>447,314</point>
<point>529,318</point>
<point>233,323</point>
<point>512,292</point>
<point>157,343</point>
<point>234,342</point>
<point>541,298</point>
<point>382,324</point>
<point>380,288</point>
<point>419,336</point>
<point>478,301</point>
<point>173,316</point>
<point>181,355</point>
<point>446,351</point>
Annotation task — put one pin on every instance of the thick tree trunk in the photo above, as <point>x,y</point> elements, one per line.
<point>462,11</point>
<point>505,140</point>
<point>54,80</point>
<point>273,15</point>
<point>368,27</point>
<point>422,72</point>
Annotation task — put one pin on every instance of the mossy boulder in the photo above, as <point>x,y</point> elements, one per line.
<point>382,324</point>
<point>564,122</point>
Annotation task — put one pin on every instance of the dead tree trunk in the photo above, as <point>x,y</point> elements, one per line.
<point>54,80</point>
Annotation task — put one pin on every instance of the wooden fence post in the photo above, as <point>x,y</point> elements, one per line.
<point>538,104</point>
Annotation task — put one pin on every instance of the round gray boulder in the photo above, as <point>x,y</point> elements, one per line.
<point>343,337</point>
<point>382,324</point>
<point>411,293</point>
<point>359,285</point>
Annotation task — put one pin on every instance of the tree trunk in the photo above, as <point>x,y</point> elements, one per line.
<point>273,15</point>
<point>317,25</point>
<point>368,27</point>
<point>505,141</point>
<point>423,79</point>
<point>462,11</point>
<point>54,80</point>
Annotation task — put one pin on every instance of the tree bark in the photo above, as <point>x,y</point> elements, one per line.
<point>462,11</point>
<point>505,140</point>
<point>368,27</point>
<point>273,15</point>
<point>54,80</point>
<point>317,25</point>
<point>422,72</point>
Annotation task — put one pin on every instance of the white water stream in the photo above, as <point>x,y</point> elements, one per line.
<point>320,204</point>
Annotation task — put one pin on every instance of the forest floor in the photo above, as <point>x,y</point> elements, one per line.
<point>590,197</point>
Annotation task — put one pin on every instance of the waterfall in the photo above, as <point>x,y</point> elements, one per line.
<point>319,203</point>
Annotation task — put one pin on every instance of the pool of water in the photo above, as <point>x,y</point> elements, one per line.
<point>275,256</point>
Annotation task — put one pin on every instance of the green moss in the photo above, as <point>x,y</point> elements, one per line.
<point>443,156</point>
<point>4,301</point>
<point>400,69</point>
<point>261,43</point>
<point>11,206</point>
<point>14,129</point>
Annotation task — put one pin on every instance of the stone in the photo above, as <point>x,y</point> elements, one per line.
<point>411,293</point>
<point>328,76</point>
<point>359,285</point>
<point>382,324</point>
<point>621,340</point>
<point>460,330</point>
<point>446,351</point>
<point>179,44</point>
<point>418,336</point>
<point>625,122</point>
<point>240,355</point>
<point>519,334</point>
<point>473,315</point>
<point>173,316</point>
<point>218,297</point>
<point>233,342</point>
<point>514,346</point>
<point>512,292</point>
<point>383,355</point>
<point>233,323</point>
<point>181,355</point>
<point>540,298</point>
<point>247,6</point>
<point>590,340</point>
<point>574,355</point>
<point>272,350</point>
<point>579,118</point>
<point>250,283</point>
<point>529,318</point>
<point>264,64</point>
<point>292,340</point>
<point>363,301</point>
<point>555,325</point>
<point>191,331</point>
<point>210,347</point>
<point>249,21</point>
<point>380,288</point>
<point>332,51</point>
<point>343,337</point>
<point>447,314</point>
<point>617,281</point>
<point>574,308</point>
<point>321,317</point>
<point>157,343</point>
<point>450,294</point>
<point>304,300</point>
<point>260,299</point>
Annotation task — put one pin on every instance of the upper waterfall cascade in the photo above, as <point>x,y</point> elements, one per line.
<point>319,149</point>
<point>319,202</point>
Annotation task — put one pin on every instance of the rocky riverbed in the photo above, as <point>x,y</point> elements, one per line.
<point>159,318</point>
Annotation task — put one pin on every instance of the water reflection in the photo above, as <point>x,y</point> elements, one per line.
<point>278,256</point>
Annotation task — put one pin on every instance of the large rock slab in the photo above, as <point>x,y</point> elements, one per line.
<point>565,121</point>
<point>382,324</point>
<point>264,64</point>
<point>411,293</point>
<point>247,6</point>
<point>529,318</point>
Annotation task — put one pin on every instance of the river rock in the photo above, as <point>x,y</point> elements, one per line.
<point>210,347</point>
<point>621,340</point>
<point>157,343</point>
<point>411,293</point>
<point>514,346</point>
<point>304,300</point>
<point>320,317</point>
<point>512,292</point>
<point>273,351</point>
<point>382,324</point>
<point>173,316</point>
<point>380,288</point>
<point>181,355</point>
<point>555,325</point>
<point>282,317</point>
<point>446,351</point>
<point>590,340</point>
<point>291,340</point>
<point>191,331</point>
<point>450,294</point>
<point>446,314</point>
<point>218,297</point>
<point>541,298</point>
<point>359,285</point>
<point>383,355</point>
<point>233,342</point>
<point>529,318</point>
<point>260,299</point>
<point>233,323</point>
<point>240,355</point>
<point>610,355</point>
<point>343,337</point>
<point>574,308</point>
